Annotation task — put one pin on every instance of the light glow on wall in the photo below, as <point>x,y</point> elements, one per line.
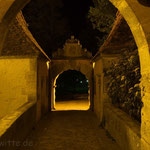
<point>72,105</point>
<point>93,65</point>
<point>47,63</point>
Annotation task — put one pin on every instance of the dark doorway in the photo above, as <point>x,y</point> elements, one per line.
<point>72,90</point>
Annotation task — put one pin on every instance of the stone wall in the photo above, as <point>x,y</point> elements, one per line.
<point>72,49</point>
<point>19,44</point>
<point>17,84</point>
<point>137,17</point>
<point>98,88</point>
<point>16,126</point>
<point>100,83</point>
<point>18,40</point>
<point>43,88</point>
<point>59,66</point>
<point>24,76</point>
<point>122,128</point>
<point>9,10</point>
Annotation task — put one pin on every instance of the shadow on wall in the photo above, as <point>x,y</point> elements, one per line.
<point>144,2</point>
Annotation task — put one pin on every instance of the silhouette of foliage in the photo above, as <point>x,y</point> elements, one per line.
<point>124,84</point>
<point>102,16</point>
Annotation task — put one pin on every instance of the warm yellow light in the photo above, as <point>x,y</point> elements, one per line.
<point>93,65</point>
<point>47,63</point>
<point>72,105</point>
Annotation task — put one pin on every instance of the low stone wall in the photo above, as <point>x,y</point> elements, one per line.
<point>18,82</point>
<point>122,128</point>
<point>16,126</point>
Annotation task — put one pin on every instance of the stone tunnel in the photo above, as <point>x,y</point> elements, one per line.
<point>28,78</point>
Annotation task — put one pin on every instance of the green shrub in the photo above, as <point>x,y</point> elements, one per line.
<point>124,84</point>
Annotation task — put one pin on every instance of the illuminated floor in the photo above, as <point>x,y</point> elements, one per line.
<point>70,130</point>
<point>72,105</point>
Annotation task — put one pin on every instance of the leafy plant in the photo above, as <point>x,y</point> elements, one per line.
<point>124,84</point>
<point>102,16</point>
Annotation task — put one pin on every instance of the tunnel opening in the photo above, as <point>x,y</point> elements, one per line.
<point>72,91</point>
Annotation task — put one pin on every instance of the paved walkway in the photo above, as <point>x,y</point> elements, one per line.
<point>72,105</point>
<point>70,130</point>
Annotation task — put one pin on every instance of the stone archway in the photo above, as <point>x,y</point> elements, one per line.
<point>59,68</point>
<point>71,57</point>
<point>137,17</point>
<point>76,104</point>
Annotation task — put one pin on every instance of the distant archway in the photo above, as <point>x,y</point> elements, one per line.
<point>71,91</point>
<point>71,57</point>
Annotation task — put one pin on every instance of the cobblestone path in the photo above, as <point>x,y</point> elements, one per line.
<point>70,130</point>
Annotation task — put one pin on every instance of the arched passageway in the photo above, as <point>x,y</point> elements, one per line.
<point>72,91</point>
<point>71,57</point>
<point>137,17</point>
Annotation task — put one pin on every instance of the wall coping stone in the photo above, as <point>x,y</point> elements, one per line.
<point>7,121</point>
<point>132,130</point>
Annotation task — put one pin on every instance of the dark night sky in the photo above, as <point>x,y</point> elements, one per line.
<point>48,18</point>
<point>51,30</point>
<point>76,11</point>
